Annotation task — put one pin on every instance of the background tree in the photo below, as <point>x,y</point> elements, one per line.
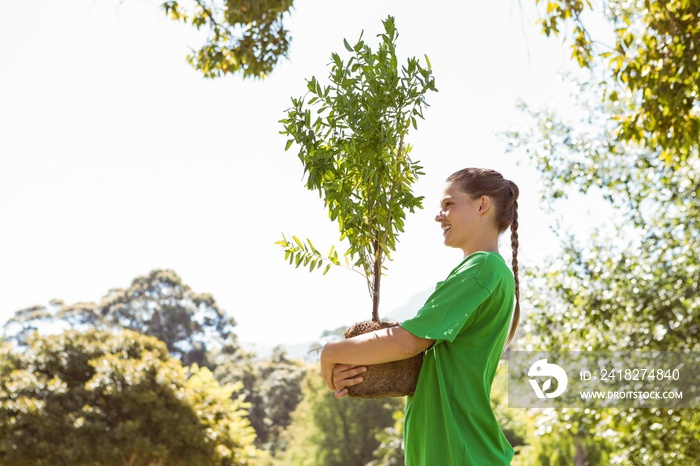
<point>158,304</point>
<point>634,283</point>
<point>513,422</point>
<point>355,155</point>
<point>330,432</point>
<point>161,305</point>
<point>24,322</point>
<point>653,67</point>
<point>197,332</point>
<point>85,398</point>
<point>272,387</point>
<point>390,449</point>
<point>244,36</point>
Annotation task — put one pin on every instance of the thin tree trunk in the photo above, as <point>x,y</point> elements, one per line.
<point>580,456</point>
<point>377,277</point>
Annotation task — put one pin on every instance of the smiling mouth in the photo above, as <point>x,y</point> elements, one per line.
<point>446,228</point>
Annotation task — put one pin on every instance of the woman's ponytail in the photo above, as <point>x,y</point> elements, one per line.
<point>514,264</point>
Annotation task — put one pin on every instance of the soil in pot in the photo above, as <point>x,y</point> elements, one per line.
<point>390,379</point>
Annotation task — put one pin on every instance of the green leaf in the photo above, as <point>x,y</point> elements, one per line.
<point>347,46</point>
<point>298,242</point>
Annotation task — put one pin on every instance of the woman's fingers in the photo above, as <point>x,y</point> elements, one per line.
<point>344,371</point>
<point>346,376</point>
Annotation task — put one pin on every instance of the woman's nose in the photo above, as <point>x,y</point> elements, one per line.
<point>440,216</point>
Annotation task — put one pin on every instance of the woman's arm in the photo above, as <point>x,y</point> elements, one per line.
<point>349,356</point>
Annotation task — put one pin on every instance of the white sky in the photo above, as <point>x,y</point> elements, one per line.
<point>117,158</point>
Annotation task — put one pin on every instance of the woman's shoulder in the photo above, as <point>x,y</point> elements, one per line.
<point>487,267</point>
<point>481,259</point>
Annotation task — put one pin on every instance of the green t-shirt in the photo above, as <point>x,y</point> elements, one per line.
<point>449,419</point>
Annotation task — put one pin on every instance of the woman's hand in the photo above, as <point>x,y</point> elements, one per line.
<point>339,377</point>
<point>345,376</point>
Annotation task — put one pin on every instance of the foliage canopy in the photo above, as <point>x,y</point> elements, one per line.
<point>99,398</point>
<point>244,36</point>
<point>634,282</point>
<point>652,70</point>
<point>158,304</point>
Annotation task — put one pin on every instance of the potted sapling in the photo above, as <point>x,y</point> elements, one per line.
<point>351,139</point>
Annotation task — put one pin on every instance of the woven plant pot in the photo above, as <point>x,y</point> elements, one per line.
<point>390,379</point>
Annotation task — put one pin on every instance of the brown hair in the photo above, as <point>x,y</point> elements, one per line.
<point>479,182</point>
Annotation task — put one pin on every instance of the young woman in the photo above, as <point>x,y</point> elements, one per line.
<point>463,328</point>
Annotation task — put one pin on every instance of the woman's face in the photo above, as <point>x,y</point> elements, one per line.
<point>458,217</point>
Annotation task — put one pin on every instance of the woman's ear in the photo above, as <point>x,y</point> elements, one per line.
<point>484,204</point>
